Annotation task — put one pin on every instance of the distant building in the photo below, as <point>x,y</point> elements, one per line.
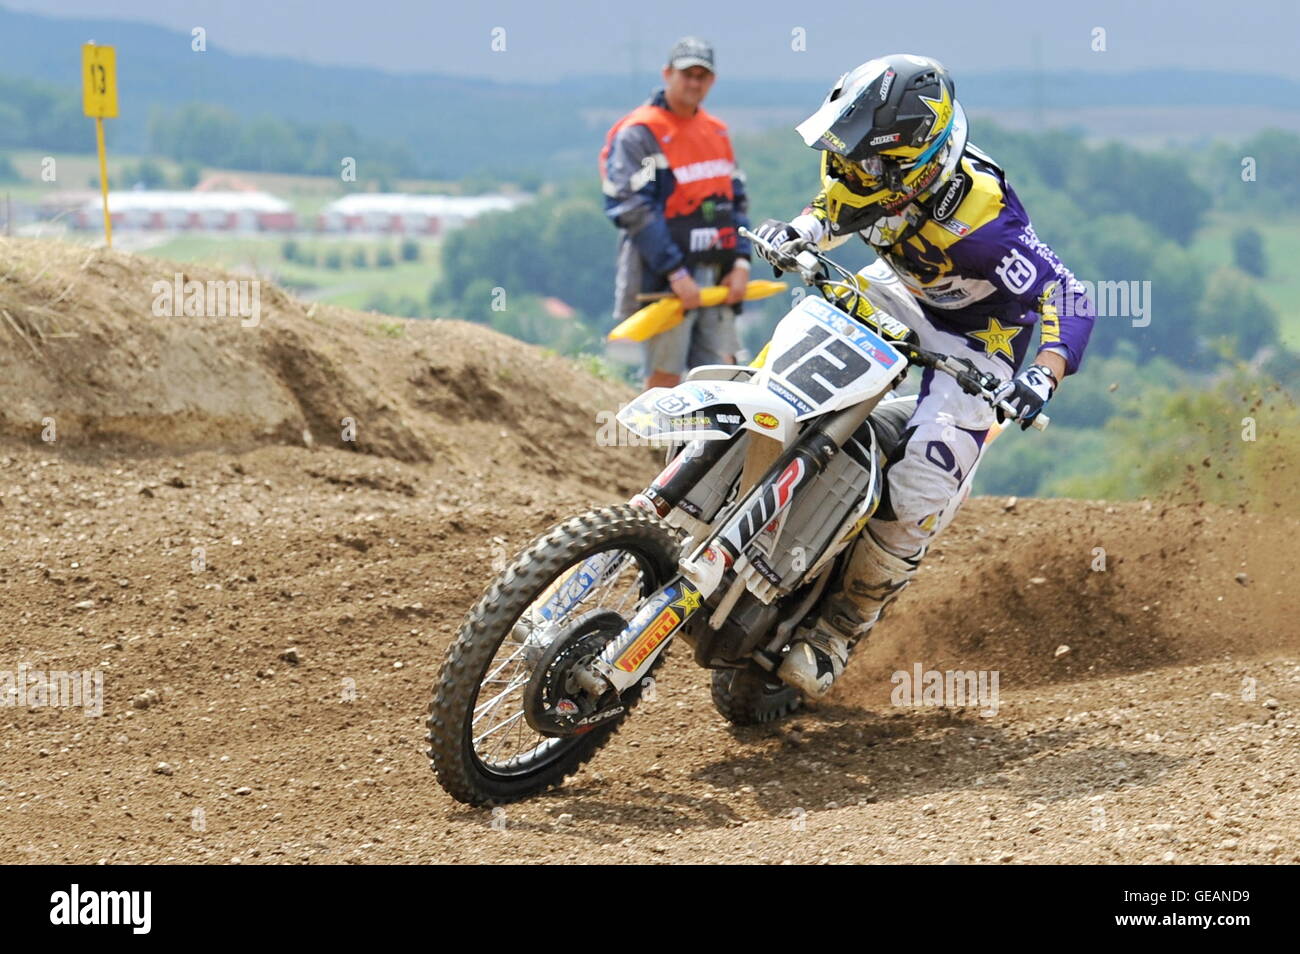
<point>397,212</point>
<point>242,211</point>
<point>235,209</point>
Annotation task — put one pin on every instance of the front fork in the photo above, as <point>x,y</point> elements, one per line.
<point>672,484</point>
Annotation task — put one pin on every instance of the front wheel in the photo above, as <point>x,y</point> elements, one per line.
<point>481,744</point>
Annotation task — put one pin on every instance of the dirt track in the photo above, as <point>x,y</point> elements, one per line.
<point>365,566</point>
<point>1141,743</point>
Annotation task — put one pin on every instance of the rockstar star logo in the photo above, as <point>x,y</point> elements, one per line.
<point>690,600</point>
<point>997,339</point>
<point>942,109</point>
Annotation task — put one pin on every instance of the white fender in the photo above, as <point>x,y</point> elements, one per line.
<point>710,411</point>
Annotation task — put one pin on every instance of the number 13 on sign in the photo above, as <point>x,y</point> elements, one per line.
<point>99,101</point>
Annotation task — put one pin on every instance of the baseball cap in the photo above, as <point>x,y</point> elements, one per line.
<point>691,51</point>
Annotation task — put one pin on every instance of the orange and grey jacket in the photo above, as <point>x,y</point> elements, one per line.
<point>672,187</point>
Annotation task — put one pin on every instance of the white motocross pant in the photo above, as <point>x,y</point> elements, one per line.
<point>945,434</point>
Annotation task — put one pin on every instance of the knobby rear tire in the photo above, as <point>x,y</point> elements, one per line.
<point>752,697</point>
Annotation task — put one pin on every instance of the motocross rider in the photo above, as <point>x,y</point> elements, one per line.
<point>897,169</point>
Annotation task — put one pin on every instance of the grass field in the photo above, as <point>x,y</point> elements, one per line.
<point>349,286</point>
<point>1281,287</point>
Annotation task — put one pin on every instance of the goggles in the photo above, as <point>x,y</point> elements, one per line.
<point>884,170</point>
<point>879,173</point>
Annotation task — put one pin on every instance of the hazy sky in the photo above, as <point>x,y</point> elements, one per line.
<point>547,40</point>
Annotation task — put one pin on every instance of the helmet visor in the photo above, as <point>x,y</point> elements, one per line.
<point>873,167</point>
<point>875,172</point>
<point>866,174</point>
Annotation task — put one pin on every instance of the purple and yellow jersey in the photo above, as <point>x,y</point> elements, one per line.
<point>978,269</point>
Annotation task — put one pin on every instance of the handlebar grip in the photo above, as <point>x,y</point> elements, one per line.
<point>1039,423</point>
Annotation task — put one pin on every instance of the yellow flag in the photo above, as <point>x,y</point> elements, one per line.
<point>660,316</point>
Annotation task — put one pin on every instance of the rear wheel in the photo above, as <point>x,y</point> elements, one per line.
<point>751,696</point>
<point>481,745</point>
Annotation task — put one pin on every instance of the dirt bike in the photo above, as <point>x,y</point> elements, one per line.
<point>773,470</point>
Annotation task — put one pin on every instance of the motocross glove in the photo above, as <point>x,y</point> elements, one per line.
<point>777,234</point>
<point>1028,393</point>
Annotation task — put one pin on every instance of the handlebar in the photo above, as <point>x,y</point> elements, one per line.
<point>809,262</point>
<point>971,380</point>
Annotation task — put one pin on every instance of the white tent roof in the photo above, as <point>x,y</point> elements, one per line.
<point>400,203</point>
<point>144,200</point>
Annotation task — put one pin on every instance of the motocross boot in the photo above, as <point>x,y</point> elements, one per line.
<point>872,579</point>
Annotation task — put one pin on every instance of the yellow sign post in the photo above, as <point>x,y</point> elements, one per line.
<point>99,100</point>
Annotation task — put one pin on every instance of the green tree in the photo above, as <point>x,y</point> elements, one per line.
<point>1248,252</point>
<point>384,258</point>
<point>36,115</point>
<point>1156,188</point>
<point>475,304</point>
<point>1261,173</point>
<point>570,255</point>
<point>407,307</point>
<point>1235,318</point>
<point>527,320</point>
<point>1226,444</point>
<point>218,136</point>
<point>410,250</point>
<point>1023,463</point>
<point>145,174</point>
<point>360,259</point>
<point>380,302</point>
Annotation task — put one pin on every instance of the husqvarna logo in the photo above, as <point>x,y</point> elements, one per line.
<point>1017,272</point>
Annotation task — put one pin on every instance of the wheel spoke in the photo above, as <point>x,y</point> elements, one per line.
<point>510,743</point>
<point>509,659</point>
<point>517,683</point>
<point>500,725</point>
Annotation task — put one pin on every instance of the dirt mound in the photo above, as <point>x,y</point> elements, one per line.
<point>101,353</point>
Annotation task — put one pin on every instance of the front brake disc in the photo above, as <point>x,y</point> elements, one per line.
<point>554,703</point>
